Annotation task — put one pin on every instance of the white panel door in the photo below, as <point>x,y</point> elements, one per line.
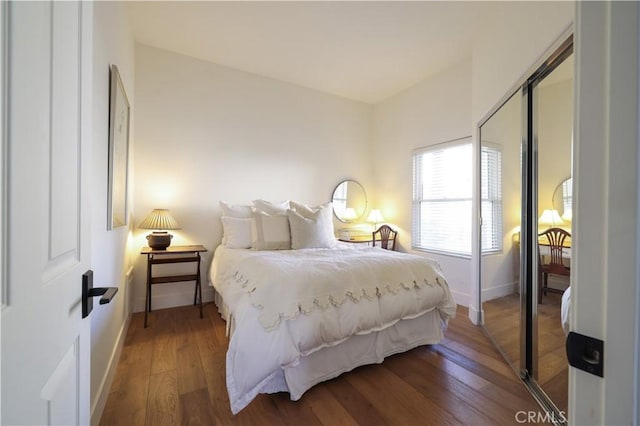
<point>47,93</point>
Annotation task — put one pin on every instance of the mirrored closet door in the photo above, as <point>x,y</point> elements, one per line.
<point>501,200</point>
<point>553,119</point>
<point>526,212</point>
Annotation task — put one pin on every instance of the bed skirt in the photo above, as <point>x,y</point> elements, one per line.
<point>356,351</point>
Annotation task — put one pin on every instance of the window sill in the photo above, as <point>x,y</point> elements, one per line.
<point>442,253</point>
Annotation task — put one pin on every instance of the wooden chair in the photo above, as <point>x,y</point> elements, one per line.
<point>553,238</point>
<point>386,236</point>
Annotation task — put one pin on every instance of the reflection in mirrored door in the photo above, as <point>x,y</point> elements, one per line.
<point>501,198</point>
<point>526,208</point>
<point>553,98</point>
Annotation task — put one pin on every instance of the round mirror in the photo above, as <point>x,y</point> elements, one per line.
<point>562,199</point>
<point>349,201</point>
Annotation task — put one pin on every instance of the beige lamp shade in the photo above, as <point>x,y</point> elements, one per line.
<point>550,218</point>
<point>159,219</point>
<point>349,214</point>
<point>375,216</point>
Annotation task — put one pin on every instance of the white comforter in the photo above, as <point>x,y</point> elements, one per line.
<point>288,304</point>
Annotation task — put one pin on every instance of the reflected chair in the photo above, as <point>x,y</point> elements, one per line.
<point>553,238</point>
<point>386,236</point>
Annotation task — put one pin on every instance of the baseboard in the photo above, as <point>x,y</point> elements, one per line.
<point>476,316</point>
<point>461,298</point>
<point>497,291</point>
<point>97,406</point>
<point>172,300</point>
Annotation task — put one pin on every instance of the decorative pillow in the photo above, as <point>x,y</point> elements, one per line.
<point>235,211</point>
<point>236,232</point>
<point>310,232</point>
<point>323,214</point>
<point>270,232</point>
<point>271,208</point>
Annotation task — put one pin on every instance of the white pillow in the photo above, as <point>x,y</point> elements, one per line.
<point>235,211</point>
<point>236,232</point>
<point>270,232</point>
<point>323,214</point>
<point>271,208</point>
<point>309,232</point>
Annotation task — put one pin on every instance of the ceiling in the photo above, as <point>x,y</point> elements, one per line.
<point>365,51</point>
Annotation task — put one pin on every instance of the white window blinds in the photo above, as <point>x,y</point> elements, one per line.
<point>442,193</point>
<point>442,198</point>
<point>491,198</point>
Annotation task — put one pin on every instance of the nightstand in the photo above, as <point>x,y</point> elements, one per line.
<point>179,254</point>
<point>362,239</point>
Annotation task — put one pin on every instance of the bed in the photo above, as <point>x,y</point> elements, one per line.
<point>564,310</point>
<point>299,317</point>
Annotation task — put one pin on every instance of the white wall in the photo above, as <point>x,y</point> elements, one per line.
<point>505,48</point>
<point>206,133</point>
<point>113,44</point>
<point>436,110</point>
<point>555,124</point>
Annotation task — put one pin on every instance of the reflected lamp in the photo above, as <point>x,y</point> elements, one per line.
<point>550,218</point>
<point>349,214</point>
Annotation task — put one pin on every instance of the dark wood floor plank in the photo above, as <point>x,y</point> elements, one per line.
<point>195,409</point>
<point>127,406</point>
<point>403,403</point>
<point>190,372</point>
<point>441,390</point>
<point>164,354</point>
<point>327,409</point>
<point>295,413</point>
<point>163,407</point>
<point>361,409</point>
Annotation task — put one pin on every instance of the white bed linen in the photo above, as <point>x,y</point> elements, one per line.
<point>261,361</point>
<point>564,310</point>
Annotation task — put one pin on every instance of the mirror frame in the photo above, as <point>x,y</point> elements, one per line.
<point>360,214</point>
<point>557,194</point>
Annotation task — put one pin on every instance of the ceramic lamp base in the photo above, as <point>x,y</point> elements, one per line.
<point>159,240</point>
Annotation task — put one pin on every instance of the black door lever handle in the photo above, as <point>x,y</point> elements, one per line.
<point>88,292</point>
<point>107,292</point>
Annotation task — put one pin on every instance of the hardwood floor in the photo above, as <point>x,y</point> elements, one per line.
<point>502,318</point>
<point>173,372</point>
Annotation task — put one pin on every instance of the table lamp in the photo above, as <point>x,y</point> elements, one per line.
<point>550,218</point>
<point>375,217</point>
<point>349,214</point>
<point>160,220</point>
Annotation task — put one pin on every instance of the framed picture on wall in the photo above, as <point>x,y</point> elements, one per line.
<point>118,151</point>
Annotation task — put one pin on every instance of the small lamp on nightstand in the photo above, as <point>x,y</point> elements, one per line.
<point>550,219</point>
<point>160,220</point>
<point>349,214</point>
<point>375,217</point>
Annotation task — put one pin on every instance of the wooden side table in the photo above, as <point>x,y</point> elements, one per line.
<point>361,239</point>
<point>156,257</point>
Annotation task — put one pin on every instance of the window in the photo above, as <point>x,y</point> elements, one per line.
<point>491,198</point>
<point>442,198</point>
